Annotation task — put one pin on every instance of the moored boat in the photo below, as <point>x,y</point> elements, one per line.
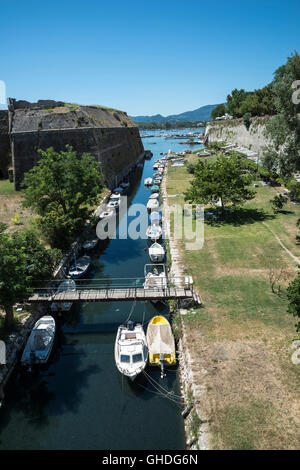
<point>155,217</point>
<point>154,196</point>
<point>66,285</point>
<point>148,181</point>
<point>154,232</point>
<point>90,244</point>
<point>80,266</point>
<point>161,343</point>
<point>106,214</point>
<point>113,203</point>
<point>155,276</point>
<point>156,253</point>
<point>40,342</point>
<point>154,188</point>
<point>131,350</point>
<point>152,204</point>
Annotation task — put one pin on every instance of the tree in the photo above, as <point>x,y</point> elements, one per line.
<point>284,128</point>
<point>294,187</point>
<point>220,180</point>
<point>246,119</point>
<point>235,100</point>
<point>293,295</point>
<point>278,202</point>
<point>23,259</point>
<point>62,189</point>
<point>218,111</point>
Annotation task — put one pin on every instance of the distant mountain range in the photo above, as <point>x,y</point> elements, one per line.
<point>200,114</point>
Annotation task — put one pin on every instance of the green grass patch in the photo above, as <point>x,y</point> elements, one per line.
<point>243,425</point>
<point>6,187</point>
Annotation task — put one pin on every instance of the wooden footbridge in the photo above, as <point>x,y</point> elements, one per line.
<point>115,290</point>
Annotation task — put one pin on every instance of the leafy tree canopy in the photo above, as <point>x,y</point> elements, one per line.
<point>62,189</point>
<point>293,295</point>
<point>23,259</point>
<point>283,154</point>
<point>220,180</point>
<point>218,111</point>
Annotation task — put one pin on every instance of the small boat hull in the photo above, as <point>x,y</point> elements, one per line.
<point>131,350</point>
<point>83,266</point>
<point>154,232</point>
<point>161,342</point>
<point>40,342</point>
<point>156,253</point>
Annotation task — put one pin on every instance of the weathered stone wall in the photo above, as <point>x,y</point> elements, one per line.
<point>115,148</point>
<point>4,144</point>
<point>235,131</point>
<point>107,134</point>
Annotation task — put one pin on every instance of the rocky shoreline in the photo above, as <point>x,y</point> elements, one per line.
<point>196,425</point>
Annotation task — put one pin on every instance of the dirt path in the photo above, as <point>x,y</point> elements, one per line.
<point>297,260</point>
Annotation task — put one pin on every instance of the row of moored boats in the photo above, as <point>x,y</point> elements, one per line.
<point>134,348</point>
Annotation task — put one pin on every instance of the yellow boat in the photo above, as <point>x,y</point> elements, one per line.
<point>161,342</point>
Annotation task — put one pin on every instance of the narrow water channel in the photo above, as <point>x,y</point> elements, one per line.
<point>80,401</point>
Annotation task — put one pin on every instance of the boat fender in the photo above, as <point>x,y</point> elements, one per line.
<point>186,411</point>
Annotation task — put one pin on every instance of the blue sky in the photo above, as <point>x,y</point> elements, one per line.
<point>143,57</point>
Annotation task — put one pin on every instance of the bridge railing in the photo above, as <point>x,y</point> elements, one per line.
<point>50,288</point>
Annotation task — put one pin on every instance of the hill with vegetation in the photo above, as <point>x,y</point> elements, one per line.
<point>200,114</point>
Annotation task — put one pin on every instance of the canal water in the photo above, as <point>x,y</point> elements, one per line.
<point>80,400</point>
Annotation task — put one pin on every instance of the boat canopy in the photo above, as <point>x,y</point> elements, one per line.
<point>155,216</point>
<point>160,339</point>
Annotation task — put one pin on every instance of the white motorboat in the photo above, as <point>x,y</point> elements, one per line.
<point>148,181</point>
<point>80,266</point>
<point>152,204</point>
<point>156,253</point>
<point>155,166</point>
<point>90,244</point>
<point>154,232</point>
<point>115,197</point>
<point>106,214</point>
<point>154,196</point>
<point>66,285</point>
<point>155,276</point>
<point>40,342</point>
<point>113,203</point>
<point>131,350</point>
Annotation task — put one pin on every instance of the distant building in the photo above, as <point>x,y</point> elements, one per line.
<point>225,117</point>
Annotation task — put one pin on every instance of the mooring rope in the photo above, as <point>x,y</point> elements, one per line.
<point>131,311</point>
<point>161,395</point>
<point>170,395</point>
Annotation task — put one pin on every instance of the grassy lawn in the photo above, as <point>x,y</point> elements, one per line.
<point>241,339</point>
<point>11,212</point>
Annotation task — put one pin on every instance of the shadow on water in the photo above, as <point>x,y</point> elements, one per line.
<point>29,394</point>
